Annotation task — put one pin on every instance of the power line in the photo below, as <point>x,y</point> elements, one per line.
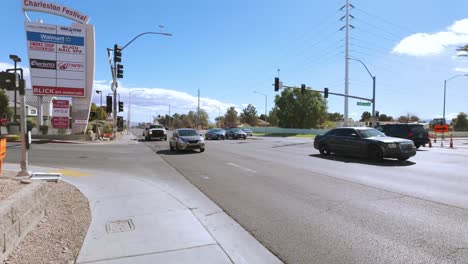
<point>386,21</point>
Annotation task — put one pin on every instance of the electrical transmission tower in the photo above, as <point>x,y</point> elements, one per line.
<point>346,27</point>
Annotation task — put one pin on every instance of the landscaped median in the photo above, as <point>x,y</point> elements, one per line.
<point>19,212</point>
<point>284,135</point>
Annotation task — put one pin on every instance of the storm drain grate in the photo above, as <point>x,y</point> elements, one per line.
<point>120,226</point>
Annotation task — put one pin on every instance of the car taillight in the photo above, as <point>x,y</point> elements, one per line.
<point>410,134</point>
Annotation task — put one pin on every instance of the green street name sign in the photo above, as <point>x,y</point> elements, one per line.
<point>364,103</point>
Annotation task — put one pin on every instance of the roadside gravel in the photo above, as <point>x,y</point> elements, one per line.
<point>59,236</point>
<point>8,187</point>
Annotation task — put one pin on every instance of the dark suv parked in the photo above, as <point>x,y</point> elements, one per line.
<point>416,132</point>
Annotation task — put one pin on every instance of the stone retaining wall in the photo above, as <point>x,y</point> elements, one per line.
<point>19,214</point>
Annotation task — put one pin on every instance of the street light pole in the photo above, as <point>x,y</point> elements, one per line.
<point>374,118</point>
<point>445,91</point>
<point>266,99</point>
<point>114,70</point>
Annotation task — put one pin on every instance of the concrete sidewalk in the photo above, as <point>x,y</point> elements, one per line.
<point>162,219</point>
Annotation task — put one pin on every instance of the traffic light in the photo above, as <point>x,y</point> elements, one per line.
<point>121,106</point>
<point>120,122</point>
<point>277,84</point>
<point>109,104</point>
<point>22,87</point>
<point>325,93</point>
<point>8,80</point>
<point>303,88</point>
<point>117,53</point>
<point>120,71</point>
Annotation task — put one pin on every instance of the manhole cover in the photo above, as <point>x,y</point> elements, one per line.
<point>120,226</point>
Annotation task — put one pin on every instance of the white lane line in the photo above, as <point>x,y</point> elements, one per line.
<point>240,167</point>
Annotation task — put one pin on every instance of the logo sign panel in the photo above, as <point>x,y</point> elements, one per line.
<point>55,9</point>
<point>43,64</point>
<point>57,58</point>
<point>60,113</point>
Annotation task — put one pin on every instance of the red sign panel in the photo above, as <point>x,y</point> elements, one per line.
<point>441,128</point>
<point>60,113</point>
<point>60,122</point>
<point>64,91</point>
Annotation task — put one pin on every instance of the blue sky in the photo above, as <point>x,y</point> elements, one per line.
<point>228,49</point>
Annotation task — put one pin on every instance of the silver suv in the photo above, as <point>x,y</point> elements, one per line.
<point>186,138</point>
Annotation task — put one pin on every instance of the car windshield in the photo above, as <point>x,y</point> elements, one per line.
<point>188,133</point>
<point>417,128</point>
<point>369,133</point>
<point>156,126</point>
<point>216,130</point>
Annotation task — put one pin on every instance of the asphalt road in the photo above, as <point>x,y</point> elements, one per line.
<point>309,209</point>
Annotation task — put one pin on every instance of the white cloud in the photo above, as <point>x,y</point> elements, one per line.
<point>463,70</point>
<point>148,102</point>
<point>423,44</point>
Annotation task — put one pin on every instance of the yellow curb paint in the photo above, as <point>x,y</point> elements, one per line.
<point>72,173</point>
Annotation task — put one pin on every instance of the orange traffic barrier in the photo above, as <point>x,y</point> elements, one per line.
<point>451,140</point>
<point>430,144</point>
<point>2,152</point>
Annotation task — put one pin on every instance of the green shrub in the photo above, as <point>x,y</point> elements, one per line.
<point>12,138</point>
<point>44,129</point>
<point>107,128</point>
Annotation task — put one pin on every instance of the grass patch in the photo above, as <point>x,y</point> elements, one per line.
<point>11,138</point>
<point>284,135</point>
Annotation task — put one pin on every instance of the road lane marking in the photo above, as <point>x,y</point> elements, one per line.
<point>240,167</point>
<point>72,173</point>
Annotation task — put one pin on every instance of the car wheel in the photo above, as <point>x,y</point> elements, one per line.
<point>403,159</point>
<point>202,150</point>
<point>165,139</point>
<point>417,146</point>
<point>171,147</point>
<point>375,153</point>
<point>324,150</point>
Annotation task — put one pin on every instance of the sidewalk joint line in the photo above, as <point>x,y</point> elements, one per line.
<point>147,254</point>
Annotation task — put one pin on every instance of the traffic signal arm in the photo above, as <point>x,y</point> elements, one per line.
<point>338,94</point>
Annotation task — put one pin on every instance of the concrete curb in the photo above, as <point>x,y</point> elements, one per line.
<point>19,214</point>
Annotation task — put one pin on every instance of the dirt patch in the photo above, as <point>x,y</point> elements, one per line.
<point>59,236</point>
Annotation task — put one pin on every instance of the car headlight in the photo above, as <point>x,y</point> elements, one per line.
<point>180,140</point>
<point>392,145</point>
<point>201,140</point>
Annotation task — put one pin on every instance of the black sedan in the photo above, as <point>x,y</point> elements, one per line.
<point>235,133</point>
<point>215,133</point>
<point>364,142</point>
